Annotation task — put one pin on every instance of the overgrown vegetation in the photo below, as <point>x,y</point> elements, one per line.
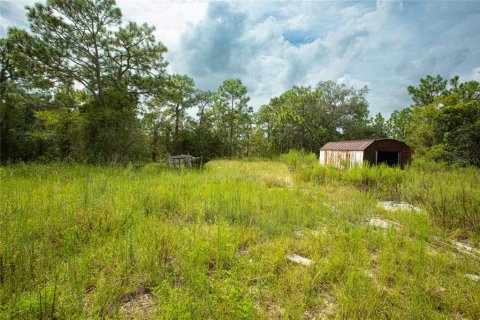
<point>443,124</point>
<point>90,88</point>
<point>82,241</point>
<point>450,195</point>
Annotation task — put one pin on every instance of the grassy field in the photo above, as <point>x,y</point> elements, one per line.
<point>80,242</point>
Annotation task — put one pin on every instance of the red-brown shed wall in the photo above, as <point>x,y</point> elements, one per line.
<point>388,145</point>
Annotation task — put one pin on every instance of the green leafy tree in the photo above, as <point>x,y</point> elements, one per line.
<point>179,92</point>
<point>232,112</point>
<point>59,128</point>
<point>429,88</point>
<point>421,130</point>
<point>156,123</point>
<point>398,124</point>
<point>17,119</point>
<point>457,124</point>
<point>306,118</point>
<point>445,121</point>
<point>204,136</point>
<point>84,43</point>
<point>378,126</point>
<point>203,101</point>
<point>265,121</point>
<point>18,102</point>
<point>7,69</point>
<point>290,111</point>
<point>344,110</point>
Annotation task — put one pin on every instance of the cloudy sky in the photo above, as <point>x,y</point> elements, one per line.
<point>272,46</point>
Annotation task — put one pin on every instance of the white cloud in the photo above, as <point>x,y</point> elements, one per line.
<point>171,19</point>
<point>388,46</point>
<point>12,13</point>
<point>352,82</point>
<point>272,46</point>
<point>328,57</point>
<point>473,75</point>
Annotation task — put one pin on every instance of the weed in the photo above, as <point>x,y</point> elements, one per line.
<point>107,242</point>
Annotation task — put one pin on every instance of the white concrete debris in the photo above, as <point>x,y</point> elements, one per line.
<point>300,233</point>
<point>384,224</point>
<point>298,259</point>
<point>376,222</point>
<point>461,247</point>
<point>397,205</point>
<point>472,277</point>
<point>465,247</point>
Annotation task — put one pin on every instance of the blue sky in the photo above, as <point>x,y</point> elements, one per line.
<point>272,46</point>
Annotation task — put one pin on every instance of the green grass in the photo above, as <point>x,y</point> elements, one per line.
<point>450,196</point>
<point>83,242</point>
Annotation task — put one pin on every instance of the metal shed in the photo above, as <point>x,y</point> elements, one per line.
<point>372,151</point>
<point>186,160</point>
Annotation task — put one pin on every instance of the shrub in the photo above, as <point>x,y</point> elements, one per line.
<point>450,196</point>
<point>296,159</point>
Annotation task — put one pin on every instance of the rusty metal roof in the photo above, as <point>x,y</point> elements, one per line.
<point>350,145</point>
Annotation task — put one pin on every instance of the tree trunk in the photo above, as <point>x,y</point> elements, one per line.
<point>177,121</point>
<point>302,140</point>
<point>230,138</point>
<point>154,144</point>
<point>98,76</point>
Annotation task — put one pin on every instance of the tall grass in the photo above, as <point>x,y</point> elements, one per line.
<point>451,196</point>
<point>298,159</point>
<point>83,242</point>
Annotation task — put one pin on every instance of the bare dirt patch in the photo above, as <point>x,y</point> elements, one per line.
<point>397,205</point>
<point>462,247</point>
<point>328,308</point>
<point>272,310</point>
<point>383,224</point>
<point>140,306</point>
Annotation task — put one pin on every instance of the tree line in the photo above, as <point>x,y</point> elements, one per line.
<point>81,85</point>
<point>443,123</point>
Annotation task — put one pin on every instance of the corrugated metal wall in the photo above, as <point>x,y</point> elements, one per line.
<point>332,157</point>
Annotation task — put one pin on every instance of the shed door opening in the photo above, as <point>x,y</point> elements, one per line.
<point>388,158</point>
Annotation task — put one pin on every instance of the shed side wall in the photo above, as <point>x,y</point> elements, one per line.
<point>335,158</point>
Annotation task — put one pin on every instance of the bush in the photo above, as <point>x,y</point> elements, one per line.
<point>449,195</point>
<point>296,159</point>
<point>384,180</point>
<point>319,174</point>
